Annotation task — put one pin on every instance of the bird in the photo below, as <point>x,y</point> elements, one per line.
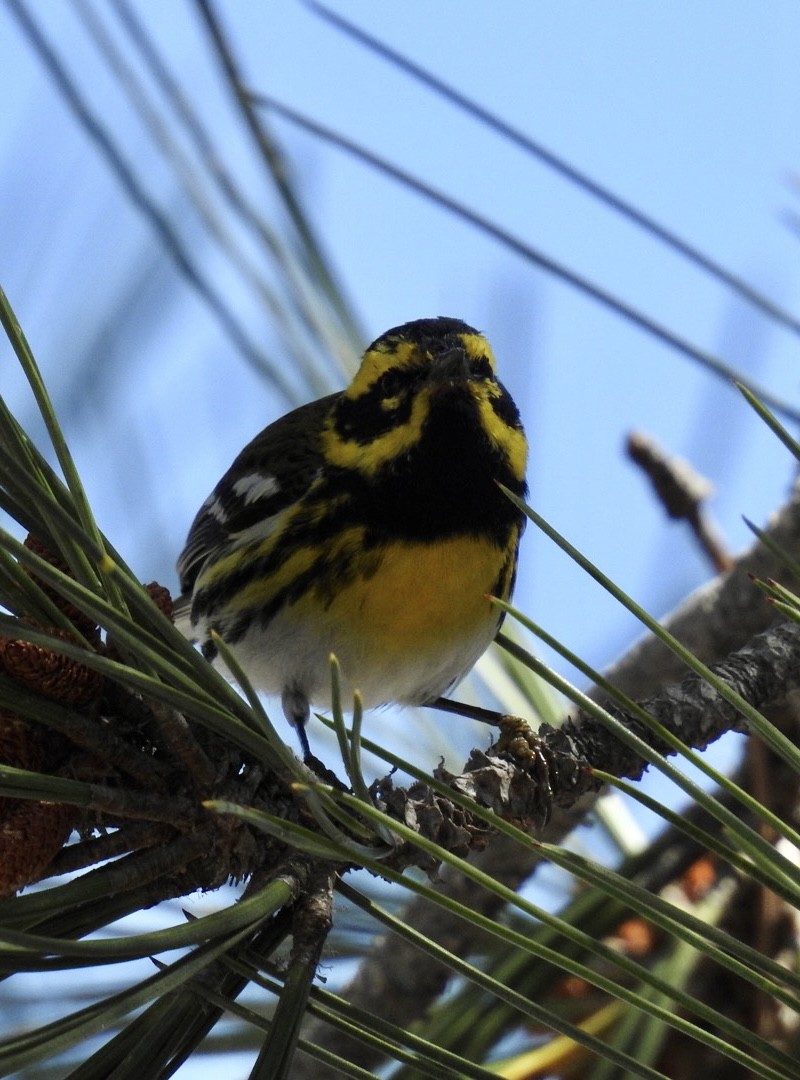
<point>370,524</point>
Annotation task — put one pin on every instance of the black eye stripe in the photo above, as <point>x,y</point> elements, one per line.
<point>394,381</point>
<point>482,368</point>
<point>362,419</point>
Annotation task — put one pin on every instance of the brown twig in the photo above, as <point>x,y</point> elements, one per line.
<point>682,492</point>
<point>177,737</point>
<point>97,849</point>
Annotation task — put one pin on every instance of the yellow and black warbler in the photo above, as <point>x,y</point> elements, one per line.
<point>368,524</point>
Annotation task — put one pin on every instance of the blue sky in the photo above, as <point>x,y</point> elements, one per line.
<point>689,111</point>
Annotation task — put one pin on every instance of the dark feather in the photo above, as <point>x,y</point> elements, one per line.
<point>287,450</point>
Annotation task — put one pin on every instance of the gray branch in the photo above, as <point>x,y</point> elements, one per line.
<point>729,618</point>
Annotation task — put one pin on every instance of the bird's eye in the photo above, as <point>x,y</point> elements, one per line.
<point>481,369</point>
<point>390,383</point>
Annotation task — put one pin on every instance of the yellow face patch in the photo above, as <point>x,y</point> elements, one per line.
<point>385,356</point>
<point>393,354</point>
<point>478,348</point>
<point>510,440</point>
<point>352,454</point>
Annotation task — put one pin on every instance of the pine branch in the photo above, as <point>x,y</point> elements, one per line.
<point>716,621</point>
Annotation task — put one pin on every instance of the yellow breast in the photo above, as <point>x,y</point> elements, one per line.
<point>415,625</point>
<point>422,595</point>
